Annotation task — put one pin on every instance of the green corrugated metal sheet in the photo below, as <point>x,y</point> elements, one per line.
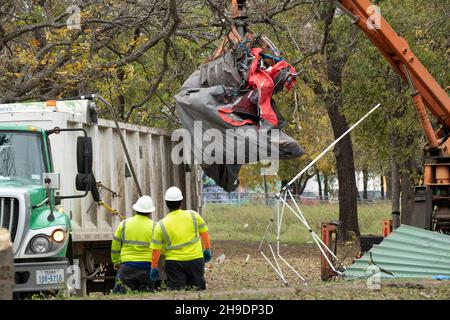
<point>408,252</point>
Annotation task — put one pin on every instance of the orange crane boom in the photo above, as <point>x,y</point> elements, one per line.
<point>432,201</point>
<point>426,92</point>
<point>397,52</point>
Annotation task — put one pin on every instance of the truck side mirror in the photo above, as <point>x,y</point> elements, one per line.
<point>84,155</point>
<point>86,182</point>
<point>83,182</point>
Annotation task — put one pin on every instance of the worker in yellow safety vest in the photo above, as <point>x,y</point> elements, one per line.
<point>183,235</point>
<point>130,249</point>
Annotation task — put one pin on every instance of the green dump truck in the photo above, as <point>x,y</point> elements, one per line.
<point>46,170</point>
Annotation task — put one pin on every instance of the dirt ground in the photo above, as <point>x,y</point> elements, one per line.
<point>245,267</point>
<point>245,274</point>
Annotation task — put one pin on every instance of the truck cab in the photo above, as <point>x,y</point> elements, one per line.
<point>40,233</point>
<point>40,229</point>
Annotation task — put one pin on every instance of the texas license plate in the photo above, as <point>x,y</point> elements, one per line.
<point>49,276</point>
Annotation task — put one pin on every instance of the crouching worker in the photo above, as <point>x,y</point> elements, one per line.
<point>130,249</point>
<point>183,235</point>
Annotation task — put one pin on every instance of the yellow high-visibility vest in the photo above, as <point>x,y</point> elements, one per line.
<point>178,234</point>
<point>131,241</point>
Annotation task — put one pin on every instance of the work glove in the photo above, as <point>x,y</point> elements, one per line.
<point>207,255</point>
<point>154,274</point>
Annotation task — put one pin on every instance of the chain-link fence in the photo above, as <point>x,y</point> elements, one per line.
<point>242,198</point>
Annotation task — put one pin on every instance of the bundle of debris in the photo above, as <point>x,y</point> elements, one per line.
<point>235,91</point>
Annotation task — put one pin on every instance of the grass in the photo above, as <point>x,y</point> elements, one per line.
<point>249,221</point>
<point>401,290</point>
<point>245,274</point>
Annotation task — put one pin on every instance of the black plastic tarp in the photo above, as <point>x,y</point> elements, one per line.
<point>210,99</point>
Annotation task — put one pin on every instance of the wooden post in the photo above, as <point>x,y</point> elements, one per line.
<point>6,266</point>
<point>328,229</point>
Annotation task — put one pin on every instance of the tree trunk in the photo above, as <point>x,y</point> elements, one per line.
<point>388,177</point>
<point>347,184</point>
<point>121,98</point>
<point>382,186</point>
<point>333,99</point>
<point>302,185</point>
<point>6,266</point>
<point>325,186</point>
<point>266,192</point>
<point>348,193</point>
<point>365,173</point>
<point>299,185</point>
<point>319,184</point>
<point>395,187</point>
<point>407,191</point>
<point>295,187</point>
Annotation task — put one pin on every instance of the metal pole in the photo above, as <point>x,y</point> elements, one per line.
<point>266,194</point>
<point>122,140</point>
<point>329,148</point>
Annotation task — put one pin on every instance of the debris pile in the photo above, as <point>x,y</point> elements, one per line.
<point>235,91</point>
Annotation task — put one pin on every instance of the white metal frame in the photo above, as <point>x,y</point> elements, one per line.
<point>283,197</point>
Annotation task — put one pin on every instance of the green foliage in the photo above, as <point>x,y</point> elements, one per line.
<point>53,61</point>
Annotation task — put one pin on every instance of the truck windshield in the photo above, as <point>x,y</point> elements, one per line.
<point>21,157</point>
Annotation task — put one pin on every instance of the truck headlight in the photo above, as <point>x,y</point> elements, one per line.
<point>40,244</point>
<point>58,235</point>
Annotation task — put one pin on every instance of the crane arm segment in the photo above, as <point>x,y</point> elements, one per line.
<point>397,52</point>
